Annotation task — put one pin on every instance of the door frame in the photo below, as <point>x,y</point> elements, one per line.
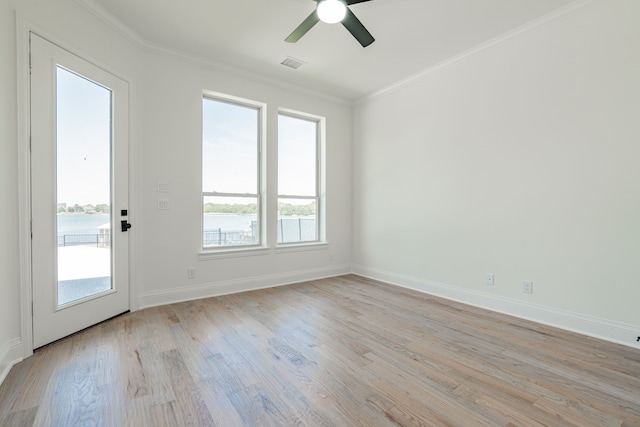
<point>25,346</point>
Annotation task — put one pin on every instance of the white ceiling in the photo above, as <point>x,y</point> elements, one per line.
<point>248,35</point>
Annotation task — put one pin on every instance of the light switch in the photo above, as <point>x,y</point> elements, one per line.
<point>163,186</point>
<point>163,204</point>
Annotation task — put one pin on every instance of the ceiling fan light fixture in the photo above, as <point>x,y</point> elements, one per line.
<point>331,11</point>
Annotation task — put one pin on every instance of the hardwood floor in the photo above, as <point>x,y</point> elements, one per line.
<point>345,351</point>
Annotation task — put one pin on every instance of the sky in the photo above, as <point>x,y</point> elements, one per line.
<point>230,150</point>
<point>297,155</point>
<point>83,140</point>
<point>230,146</point>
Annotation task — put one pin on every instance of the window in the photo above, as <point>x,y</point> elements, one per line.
<point>231,202</point>
<point>298,179</point>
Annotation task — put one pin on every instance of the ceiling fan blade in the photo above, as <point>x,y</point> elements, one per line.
<point>356,28</point>
<point>303,28</point>
<point>350,2</point>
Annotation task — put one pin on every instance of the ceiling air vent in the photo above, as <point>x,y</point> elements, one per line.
<point>292,62</point>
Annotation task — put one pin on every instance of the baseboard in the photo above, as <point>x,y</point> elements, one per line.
<point>616,332</point>
<point>10,354</point>
<point>206,290</point>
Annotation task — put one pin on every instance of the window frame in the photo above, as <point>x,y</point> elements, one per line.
<point>319,196</point>
<point>260,108</point>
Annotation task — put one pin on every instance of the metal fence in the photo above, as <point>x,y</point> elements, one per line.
<point>297,230</point>
<point>289,230</point>
<point>219,237</point>
<point>99,240</point>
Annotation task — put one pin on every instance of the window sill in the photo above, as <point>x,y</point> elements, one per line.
<point>261,251</point>
<point>301,247</point>
<point>232,253</point>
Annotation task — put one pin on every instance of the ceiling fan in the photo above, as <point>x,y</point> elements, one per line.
<point>331,12</point>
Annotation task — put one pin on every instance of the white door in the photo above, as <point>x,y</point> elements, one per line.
<point>79,193</point>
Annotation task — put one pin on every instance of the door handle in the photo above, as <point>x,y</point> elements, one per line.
<point>125,226</point>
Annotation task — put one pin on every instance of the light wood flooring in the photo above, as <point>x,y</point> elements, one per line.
<point>345,351</point>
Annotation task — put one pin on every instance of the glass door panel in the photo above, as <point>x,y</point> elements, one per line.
<point>83,187</point>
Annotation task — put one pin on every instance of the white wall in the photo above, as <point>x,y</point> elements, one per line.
<point>166,95</point>
<point>522,160</point>
<point>9,261</point>
<point>168,241</point>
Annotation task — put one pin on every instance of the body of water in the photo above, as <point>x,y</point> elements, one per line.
<point>228,222</point>
<point>80,223</point>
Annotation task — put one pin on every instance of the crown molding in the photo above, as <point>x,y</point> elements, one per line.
<point>138,40</point>
<point>558,13</point>
<point>108,18</point>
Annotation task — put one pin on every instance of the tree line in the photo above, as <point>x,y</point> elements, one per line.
<point>284,209</point>
<point>76,208</point>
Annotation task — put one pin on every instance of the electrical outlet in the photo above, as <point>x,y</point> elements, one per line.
<point>191,273</point>
<point>163,204</point>
<point>527,287</point>
<point>489,279</point>
<point>163,187</point>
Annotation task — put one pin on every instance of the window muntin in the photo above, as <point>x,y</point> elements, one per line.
<point>298,179</point>
<point>231,201</point>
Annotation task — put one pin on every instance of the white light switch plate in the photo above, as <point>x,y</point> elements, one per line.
<point>163,187</point>
<point>163,204</point>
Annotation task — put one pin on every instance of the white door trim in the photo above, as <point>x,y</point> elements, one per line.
<point>23,28</point>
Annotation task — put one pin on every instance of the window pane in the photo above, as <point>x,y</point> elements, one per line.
<point>229,147</point>
<point>230,221</point>
<point>296,156</point>
<point>297,220</point>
